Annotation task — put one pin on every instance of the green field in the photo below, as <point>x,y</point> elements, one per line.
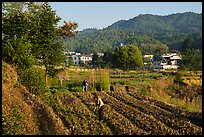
<point>167,86</point>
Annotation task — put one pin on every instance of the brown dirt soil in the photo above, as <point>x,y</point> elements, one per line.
<point>38,118</point>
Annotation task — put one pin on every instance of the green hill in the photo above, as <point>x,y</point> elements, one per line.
<point>180,22</point>
<point>170,30</point>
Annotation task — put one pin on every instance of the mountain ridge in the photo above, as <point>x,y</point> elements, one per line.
<point>165,19</point>
<point>170,30</point>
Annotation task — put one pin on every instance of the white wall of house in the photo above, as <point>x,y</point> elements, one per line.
<point>148,56</point>
<point>75,56</point>
<point>86,59</point>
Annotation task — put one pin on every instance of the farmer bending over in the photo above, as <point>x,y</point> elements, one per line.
<point>101,105</point>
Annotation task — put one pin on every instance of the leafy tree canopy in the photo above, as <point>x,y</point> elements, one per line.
<point>128,57</point>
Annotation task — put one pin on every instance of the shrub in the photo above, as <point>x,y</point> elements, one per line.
<point>33,79</point>
<point>76,89</point>
<point>54,82</point>
<point>104,80</point>
<point>145,92</point>
<point>173,87</point>
<point>75,86</point>
<point>179,80</point>
<point>71,84</point>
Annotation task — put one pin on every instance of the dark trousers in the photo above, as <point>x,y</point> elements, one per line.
<point>101,112</point>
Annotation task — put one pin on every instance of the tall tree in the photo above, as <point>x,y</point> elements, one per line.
<point>47,47</point>
<point>128,57</point>
<point>46,37</point>
<point>16,48</point>
<point>96,60</point>
<point>108,58</point>
<point>30,33</point>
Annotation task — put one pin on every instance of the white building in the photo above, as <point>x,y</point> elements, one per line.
<point>77,58</point>
<point>167,61</point>
<point>86,59</point>
<point>148,56</point>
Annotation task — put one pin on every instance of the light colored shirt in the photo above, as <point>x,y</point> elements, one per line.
<point>100,102</point>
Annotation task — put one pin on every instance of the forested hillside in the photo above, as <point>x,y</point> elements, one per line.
<point>147,31</point>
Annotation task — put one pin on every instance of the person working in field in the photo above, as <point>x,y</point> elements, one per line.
<point>84,86</point>
<point>101,105</point>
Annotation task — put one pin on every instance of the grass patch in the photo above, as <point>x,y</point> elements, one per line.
<point>13,123</point>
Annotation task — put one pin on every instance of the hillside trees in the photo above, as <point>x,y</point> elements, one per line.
<point>47,44</point>
<point>151,30</point>
<point>30,35</point>
<point>153,48</point>
<point>127,57</point>
<point>16,48</point>
<point>103,40</point>
<point>191,56</point>
<point>187,44</point>
<point>47,37</point>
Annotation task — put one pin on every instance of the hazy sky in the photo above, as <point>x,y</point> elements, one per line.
<point>102,14</point>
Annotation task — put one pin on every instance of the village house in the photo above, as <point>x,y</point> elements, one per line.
<point>77,58</point>
<point>166,61</point>
<point>86,59</point>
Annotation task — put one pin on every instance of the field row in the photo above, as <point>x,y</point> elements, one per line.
<point>117,122</point>
<point>194,117</point>
<point>166,117</point>
<point>140,119</point>
<point>76,116</point>
<point>127,113</point>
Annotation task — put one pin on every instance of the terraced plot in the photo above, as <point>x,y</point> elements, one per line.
<point>171,120</point>
<point>127,113</point>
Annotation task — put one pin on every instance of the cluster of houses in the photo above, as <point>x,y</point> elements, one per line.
<point>78,58</point>
<point>166,61</point>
